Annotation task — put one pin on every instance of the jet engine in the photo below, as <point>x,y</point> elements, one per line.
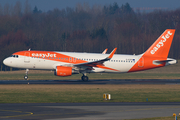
<point>63,71</point>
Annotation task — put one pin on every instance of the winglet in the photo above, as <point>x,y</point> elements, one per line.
<point>112,53</point>
<point>104,52</point>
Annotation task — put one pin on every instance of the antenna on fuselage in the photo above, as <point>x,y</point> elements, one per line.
<point>29,49</point>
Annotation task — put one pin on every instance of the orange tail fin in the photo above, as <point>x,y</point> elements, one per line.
<point>161,47</point>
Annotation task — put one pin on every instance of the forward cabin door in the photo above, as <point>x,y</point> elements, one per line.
<point>27,57</point>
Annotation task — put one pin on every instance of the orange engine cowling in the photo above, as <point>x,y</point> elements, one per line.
<point>63,71</point>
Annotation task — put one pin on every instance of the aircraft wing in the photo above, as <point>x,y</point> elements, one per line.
<point>95,63</point>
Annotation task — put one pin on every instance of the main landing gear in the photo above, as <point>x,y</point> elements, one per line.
<point>26,76</point>
<point>84,77</point>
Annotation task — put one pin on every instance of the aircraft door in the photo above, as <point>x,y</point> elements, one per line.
<point>141,62</point>
<point>70,59</point>
<point>74,60</point>
<point>27,57</point>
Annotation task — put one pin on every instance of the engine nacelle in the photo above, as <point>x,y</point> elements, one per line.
<point>63,71</point>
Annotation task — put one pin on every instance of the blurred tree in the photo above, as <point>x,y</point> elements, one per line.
<point>35,11</point>
<point>126,9</point>
<point>17,9</point>
<point>1,10</point>
<point>27,8</point>
<point>6,9</point>
<point>84,29</point>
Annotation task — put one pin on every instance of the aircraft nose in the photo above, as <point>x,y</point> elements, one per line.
<point>6,62</point>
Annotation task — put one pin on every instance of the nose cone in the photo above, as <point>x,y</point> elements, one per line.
<point>7,61</point>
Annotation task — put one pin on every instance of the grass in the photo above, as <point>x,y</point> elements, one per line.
<point>88,93</point>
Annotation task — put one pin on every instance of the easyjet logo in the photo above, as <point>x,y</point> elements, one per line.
<point>43,55</point>
<point>161,42</point>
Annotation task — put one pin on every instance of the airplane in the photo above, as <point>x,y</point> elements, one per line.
<point>68,63</point>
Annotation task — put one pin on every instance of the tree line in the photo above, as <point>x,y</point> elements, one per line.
<point>84,29</point>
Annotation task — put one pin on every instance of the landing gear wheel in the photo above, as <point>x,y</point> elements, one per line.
<point>84,78</point>
<point>26,77</point>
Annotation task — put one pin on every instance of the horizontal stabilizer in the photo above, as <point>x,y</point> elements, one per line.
<point>169,61</point>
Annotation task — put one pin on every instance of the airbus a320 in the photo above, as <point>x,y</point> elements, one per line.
<point>68,63</point>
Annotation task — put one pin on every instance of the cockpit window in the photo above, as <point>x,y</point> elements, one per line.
<point>15,56</point>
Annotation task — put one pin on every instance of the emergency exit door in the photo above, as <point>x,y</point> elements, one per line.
<point>141,62</point>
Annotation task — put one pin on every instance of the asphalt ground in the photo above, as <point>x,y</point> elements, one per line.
<point>113,81</point>
<point>87,111</point>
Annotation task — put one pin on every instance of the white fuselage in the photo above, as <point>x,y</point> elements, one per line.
<point>121,63</point>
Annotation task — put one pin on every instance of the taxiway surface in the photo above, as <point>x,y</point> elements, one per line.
<point>113,81</point>
<point>87,111</point>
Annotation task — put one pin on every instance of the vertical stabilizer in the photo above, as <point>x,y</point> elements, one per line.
<point>161,47</point>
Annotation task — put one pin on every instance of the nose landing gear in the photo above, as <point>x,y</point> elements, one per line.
<point>26,76</point>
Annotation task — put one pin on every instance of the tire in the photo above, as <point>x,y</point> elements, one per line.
<point>26,77</point>
<point>84,78</point>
